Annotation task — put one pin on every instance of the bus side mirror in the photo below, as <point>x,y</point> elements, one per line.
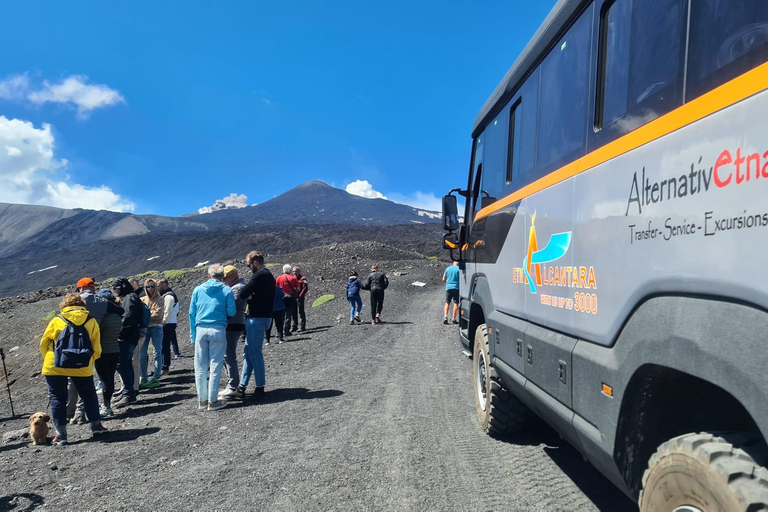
<point>450,241</point>
<point>450,213</point>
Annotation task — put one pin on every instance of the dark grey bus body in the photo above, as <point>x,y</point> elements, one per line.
<point>655,284</point>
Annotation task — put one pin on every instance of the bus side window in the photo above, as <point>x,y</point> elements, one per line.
<point>521,154</point>
<point>495,136</point>
<point>639,64</point>
<point>564,97</point>
<point>726,39</point>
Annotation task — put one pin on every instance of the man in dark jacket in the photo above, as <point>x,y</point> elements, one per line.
<point>128,338</point>
<point>303,289</point>
<point>376,282</point>
<point>260,291</point>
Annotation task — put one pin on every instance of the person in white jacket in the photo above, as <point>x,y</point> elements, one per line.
<point>170,316</point>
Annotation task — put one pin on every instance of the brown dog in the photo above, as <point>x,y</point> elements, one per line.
<point>38,428</point>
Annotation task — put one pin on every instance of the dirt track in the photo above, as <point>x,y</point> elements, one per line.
<point>356,417</point>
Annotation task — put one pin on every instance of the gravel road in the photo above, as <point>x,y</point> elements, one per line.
<point>356,417</point>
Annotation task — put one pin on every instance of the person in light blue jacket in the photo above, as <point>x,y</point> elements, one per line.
<point>211,303</point>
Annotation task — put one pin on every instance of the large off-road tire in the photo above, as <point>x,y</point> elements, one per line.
<point>499,412</point>
<point>707,472</point>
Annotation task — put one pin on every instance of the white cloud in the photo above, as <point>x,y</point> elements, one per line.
<point>266,102</point>
<point>31,174</point>
<point>364,189</point>
<point>421,200</point>
<point>72,90</point>
<point>231,201</point>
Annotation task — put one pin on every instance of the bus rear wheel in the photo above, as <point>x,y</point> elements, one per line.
<point>706,471</point>
<point>499,412</point>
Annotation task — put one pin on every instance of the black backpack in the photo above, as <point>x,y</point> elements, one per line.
<point>73,346</point>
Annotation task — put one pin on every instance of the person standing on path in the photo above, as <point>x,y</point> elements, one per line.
<point>235,330</point>
<point>156,305</point>
<point>72,313</point>
<point>303,289</point>
<point>127,339</point>
<point>106,365</point>
<point>376,282</point>
<point>170,319</point>
<point>353,296</point>
<point>278,317</point>
<point>260,291</point>
<point>211,304</point>
<point>290,286</point>
<point>451,280</point>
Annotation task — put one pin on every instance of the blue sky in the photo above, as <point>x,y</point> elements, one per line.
<point>166,107</point>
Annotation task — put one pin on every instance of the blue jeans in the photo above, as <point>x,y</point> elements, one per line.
<point>125,367</point>
<point>355,300</point>
<point>253,355</point>
<point>210,346</point>
<point>155,334</point>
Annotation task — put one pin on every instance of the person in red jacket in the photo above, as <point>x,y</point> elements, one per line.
<point>290,286</point>
<point>303,289</point>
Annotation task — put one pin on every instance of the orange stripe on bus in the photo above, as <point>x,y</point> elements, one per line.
<point>730,93</point>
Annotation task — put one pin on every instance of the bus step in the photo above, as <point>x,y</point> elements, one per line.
<point>467,353</point>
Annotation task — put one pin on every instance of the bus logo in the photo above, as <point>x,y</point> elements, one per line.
<point>555,249</point>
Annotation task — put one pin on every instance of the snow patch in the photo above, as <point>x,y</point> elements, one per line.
<point>431,215</point>
<point>42,269</point>
<point>202,264</point>
<point>419,284</point>
<point>152,258</point>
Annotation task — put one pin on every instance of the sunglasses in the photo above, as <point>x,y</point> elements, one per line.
<point>150,286</point>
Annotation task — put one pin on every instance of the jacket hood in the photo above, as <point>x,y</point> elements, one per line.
<point>352,278</point>
<point>212,287</point>
<point>75,314</point>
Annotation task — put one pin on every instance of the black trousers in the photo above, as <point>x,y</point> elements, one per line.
<point>278,317</point>
<point>290,312</point>
<point>302,314</point>
<point>106,366</point>
<point>169,338</point>
<point>377,301</point>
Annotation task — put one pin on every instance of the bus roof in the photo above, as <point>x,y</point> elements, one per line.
<point>553,25</point>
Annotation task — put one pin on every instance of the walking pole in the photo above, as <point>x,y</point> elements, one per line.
<point>7,385</point>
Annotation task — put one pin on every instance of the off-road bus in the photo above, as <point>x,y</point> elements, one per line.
<point>614,246</point>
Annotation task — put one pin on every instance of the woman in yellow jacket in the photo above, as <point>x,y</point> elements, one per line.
<point>73,310</point>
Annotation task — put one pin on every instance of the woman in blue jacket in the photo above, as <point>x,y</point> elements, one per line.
<point>353,296</point>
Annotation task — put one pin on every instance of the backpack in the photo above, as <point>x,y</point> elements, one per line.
<point>73,346</point>
<point>146,316</point>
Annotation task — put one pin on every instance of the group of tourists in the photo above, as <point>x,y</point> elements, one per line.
<point>111,331</point>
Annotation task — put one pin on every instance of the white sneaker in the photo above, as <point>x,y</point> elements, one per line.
<point>228,394</point>
<point>215,406</point>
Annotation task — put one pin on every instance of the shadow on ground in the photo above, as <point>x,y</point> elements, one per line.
<point>128,434</point>
<point>594,485</point>
<point>279,395</point>
<point>21,501</point>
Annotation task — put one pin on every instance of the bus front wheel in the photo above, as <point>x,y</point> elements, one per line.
<point>706,471</point>
<point>499,412</point>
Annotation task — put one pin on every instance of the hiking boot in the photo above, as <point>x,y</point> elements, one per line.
<point>258,393</point>
<point>201,406</point>
<point>124,401</point>
<point>59,439</point>
<point>229,394</point>
<point>357,318</point>
<point>98,430</point>
<point>241,392</point>
<point>152,383</point>
<point>445,320</point>
<point>215,406</point>
<point>454,321</point>
<point>77,419</point>
<point>106,412</point>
